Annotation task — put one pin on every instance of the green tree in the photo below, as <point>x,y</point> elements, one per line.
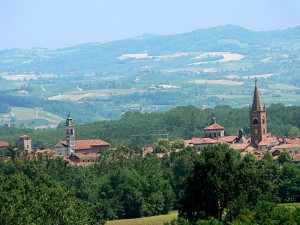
<point>222,180</point>
<point>162,145</point>
<point>212,184</point>
<point>284,157</point>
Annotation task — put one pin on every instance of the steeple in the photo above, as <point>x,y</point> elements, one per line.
<point>256,105</point>
<point>70,135</point>
<point>258,119</point>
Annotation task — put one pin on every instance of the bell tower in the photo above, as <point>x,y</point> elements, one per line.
<point>258,119</point>
<point>70,135</point>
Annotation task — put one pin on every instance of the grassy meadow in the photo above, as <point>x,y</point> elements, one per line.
<point>152,220</point>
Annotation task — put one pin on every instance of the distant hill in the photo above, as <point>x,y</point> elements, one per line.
<point>103,57</point>
<point>151,73</point>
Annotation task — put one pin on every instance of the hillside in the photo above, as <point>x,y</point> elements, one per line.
<point>152,73</point>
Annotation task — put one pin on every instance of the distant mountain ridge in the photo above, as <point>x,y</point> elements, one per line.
<point>99,57</point>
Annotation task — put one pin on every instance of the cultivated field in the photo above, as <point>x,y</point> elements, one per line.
<point>75,96</point>
<point>227,56</point>
<point>219,82</point>
<point>27,115</point>
<point>21,77</point>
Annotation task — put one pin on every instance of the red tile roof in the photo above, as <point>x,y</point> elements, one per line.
<point>87,144</point>
<point>292,140</point>
<point>264,143</point>
<point>240,146</point>
<point>287,146</point>
<point>4,144</point>
<point>214,126</point>
<point>227,139</point>
<point>200,141</point>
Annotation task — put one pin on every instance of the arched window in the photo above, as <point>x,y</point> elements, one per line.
<point>263,120</point>
<point>255,121</point>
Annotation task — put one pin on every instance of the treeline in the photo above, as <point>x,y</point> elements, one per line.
<point>185,122</point>
<point>124,183</point>
<point>121,184</point>
<point>225,188</point>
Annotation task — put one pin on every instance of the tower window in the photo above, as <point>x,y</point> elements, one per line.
<point>263,120</point>
<point>255,121</point>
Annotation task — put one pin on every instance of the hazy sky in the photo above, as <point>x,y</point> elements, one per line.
<point>63,23</point>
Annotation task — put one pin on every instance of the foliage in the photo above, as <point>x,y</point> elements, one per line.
<point>284,157</point>
<point>267,213</point>
<point>222,180</point>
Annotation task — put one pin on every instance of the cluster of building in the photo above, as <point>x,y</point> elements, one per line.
<point>260,141</point>
<point>77,152</point>
<point>82,152</point>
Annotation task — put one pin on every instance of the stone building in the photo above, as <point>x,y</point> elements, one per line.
<point>25,143</point>
<point>79,151</point>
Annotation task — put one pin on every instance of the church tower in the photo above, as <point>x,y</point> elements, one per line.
<point>70,135</point>
<point>258,119</point>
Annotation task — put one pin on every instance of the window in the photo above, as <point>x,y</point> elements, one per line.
<point>264,131</point>
<point>215,134</point>
<point>210,135</point>
<point>263,120</point>
<point>255,121</point>
<point>296,152</point>
<point>255,131</point>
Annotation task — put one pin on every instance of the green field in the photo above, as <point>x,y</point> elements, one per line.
<point>161,219</point>
<point>152,220</point>
<point>35,117</point>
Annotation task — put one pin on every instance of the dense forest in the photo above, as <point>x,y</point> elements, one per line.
<point>217,185</point>
<point>140,129</point>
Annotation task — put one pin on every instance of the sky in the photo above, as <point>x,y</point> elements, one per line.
<point>64,23</point>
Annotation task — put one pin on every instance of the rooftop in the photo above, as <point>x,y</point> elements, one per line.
<point>87,144</point>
